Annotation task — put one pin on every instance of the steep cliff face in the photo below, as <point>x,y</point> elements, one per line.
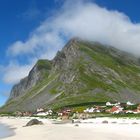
<point>82,72</point>
<point>39,71</point>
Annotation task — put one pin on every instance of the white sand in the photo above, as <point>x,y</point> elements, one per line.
<point>91,129</point>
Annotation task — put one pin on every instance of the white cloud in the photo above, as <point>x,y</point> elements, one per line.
<point>38,43</point>
<point>86,20</point>
<point>82,19</point>
<point>14,72</point>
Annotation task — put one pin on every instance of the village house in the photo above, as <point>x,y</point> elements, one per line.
<point>42,112</point>
<point>115,110</point>
<point>136,111</point>
<point>29,114</point>
<point>111,104</point>
<point>129,103</point>
<point>18,114</point>
<point>23,114</point>
<point>89,110</point>
<point>99,108</point>
<point>95,109</point>
<point>50,112</point>
<point>64,114</point>
<point>131,111</point>
<point>138,108</point>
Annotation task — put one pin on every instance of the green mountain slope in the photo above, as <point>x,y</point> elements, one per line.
<point>82,72</point>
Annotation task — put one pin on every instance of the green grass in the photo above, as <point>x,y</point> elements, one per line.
<point>81,99</point>
<point>43,64</point>
<point>54,88</point>
<point>124,70</point>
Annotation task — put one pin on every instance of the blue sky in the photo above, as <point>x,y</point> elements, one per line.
<point>33,29</point>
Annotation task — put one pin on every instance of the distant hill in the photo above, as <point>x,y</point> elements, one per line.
<point>82,72</point>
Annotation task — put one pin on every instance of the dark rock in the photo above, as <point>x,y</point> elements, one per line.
<point>76,121</point>
<point>34,122</point>
<point>134,123</point>
<point>113,122</point>
<point>104,121</point>
<point>76,125</point>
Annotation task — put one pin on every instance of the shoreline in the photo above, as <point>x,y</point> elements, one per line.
<point>6,130</point>
<point>123,129</point>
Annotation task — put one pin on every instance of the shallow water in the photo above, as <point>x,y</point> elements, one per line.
<point>5,131</point>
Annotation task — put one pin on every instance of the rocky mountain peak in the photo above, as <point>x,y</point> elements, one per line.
<point>81,72</point>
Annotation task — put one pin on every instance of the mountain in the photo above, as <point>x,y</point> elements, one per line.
<point>81,72</point>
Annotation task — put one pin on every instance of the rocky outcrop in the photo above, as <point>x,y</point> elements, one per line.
<point>35,76</point>
<point>34,122</point>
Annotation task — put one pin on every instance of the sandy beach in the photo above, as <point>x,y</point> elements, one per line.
<point>115,129</point>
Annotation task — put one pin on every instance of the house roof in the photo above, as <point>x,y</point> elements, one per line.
<point>114,108</point>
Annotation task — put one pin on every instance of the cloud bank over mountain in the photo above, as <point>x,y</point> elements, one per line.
<point>82,19</point>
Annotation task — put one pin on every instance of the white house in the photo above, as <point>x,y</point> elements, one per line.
<point>110,104</point>
<point>42,114</point>
<point>129,103</point>
<point>117,104</point>
<point>40,110</point>
<point>50,112</point>
<point>89,110</point>
<point>92,110</point>
<point>129,111</point>
<point>98,111</point>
